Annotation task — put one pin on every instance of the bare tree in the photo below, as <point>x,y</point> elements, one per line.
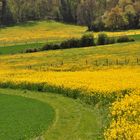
<point>87,12</point>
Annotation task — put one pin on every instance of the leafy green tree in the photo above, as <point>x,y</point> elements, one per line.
<point>95,14</point>
<point>115,19</point>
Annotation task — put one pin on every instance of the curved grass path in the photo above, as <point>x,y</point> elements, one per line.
<point>23,118</point>
<point>73,120</point>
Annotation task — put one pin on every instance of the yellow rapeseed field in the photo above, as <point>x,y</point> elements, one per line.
<point>125,111</point>
<point>125,118</point>
<point>47,30</point>
<point>101,84</point>
<point>39,31</point>
<point>102,81</point>
<point>119,86</point>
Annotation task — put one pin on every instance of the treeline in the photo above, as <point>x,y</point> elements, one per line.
<point>98,15</point>
<point>86,40</point>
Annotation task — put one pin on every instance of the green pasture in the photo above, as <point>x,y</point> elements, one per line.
<point>26,113</point>
<point>23,118</point>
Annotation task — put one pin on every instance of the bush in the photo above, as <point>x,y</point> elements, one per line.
<point>87,40</point>
<point>124,38</point>
<point>111,40</point>
<point>31,50</point>
<point>98,25</point>
<point>50,47</point>
<point>102,39</point>
<point>46,47</point>
<point>71,43</point>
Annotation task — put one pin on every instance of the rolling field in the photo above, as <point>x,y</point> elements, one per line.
<point>103,80</point>
<point>117,94</point>
<point>47,30</point>
<point>88,82</point>
<point>20,117</point>
<point>72,119</point>
<point>90,58</point>
<point>42,31</point>
<point>16,39</point>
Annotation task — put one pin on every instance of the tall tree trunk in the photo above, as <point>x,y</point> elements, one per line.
<point>4,12</point>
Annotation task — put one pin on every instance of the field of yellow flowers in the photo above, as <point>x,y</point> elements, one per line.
<point>46,30</point>
<point>90,58</point>
<point>125,122</point>
<point>72,73</point>
<point>39,32</point>
<point>120,87</point>
<point>101,81</point>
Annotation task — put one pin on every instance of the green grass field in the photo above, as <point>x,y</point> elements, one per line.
<point>23,118</point>
<point>29,116</point>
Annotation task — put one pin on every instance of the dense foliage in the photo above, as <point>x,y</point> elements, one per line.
<point>86,40</point>
<point>96,14</point>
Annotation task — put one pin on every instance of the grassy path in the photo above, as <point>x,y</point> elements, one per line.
<point>73,120</point>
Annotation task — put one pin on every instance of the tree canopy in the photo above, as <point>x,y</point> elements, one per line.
<point>96,14</point>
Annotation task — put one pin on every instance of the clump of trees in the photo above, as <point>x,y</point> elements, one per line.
<point>110,15</point>
<point>97,15</point>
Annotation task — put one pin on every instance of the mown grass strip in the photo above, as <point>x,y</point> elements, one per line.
<point>23,118</point>
<point>73,120</point>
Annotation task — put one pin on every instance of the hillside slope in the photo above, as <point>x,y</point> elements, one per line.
<point>18,38</point>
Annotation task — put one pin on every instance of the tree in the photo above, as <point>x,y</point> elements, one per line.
<point>87,12</point>
<point>4,12</point>
<point>130,14</point>
<point>137,18</point>
<point>115,19</point>
<point>95,14</point>
<point>68,10</point>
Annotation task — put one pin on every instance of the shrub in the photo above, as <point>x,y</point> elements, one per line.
<point>87,40</point>
<point>102,39</point>
<point>71,43</point>
<point>46,47</point>
<point>55,47</point>
<point>124,38</point>
<point>98,25</point>
<point>111,40</point>
<point>50,47</point>
<point>31,50</point>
